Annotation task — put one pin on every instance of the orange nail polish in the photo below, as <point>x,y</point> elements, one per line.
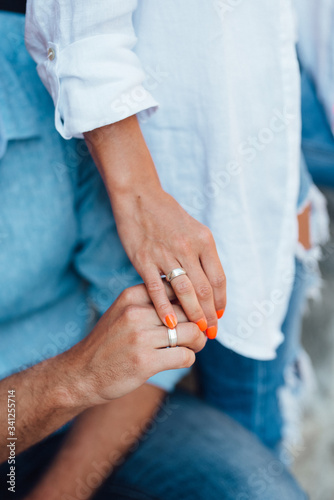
<point>202,324</point>
<point>171,321</point>
<point>211,332</point>
<point>220,313</point>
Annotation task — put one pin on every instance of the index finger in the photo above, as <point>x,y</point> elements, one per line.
<point>140,296</point>
<point>158,295</point>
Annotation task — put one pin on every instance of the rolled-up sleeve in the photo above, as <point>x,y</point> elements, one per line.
<point>84,57</point>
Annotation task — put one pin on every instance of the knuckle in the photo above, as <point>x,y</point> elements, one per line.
<point>204,291</point>
<point>206,236</point>
<point>140,258</point>
<point>163,307</point>
<point>137,361</point>
<point>132,313</point>
<point>218,281</point>
<point>182,286</point>
<point>154,286</point>
<point>128,295</point>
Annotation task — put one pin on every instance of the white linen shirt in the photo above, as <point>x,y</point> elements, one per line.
<point>226,138</point>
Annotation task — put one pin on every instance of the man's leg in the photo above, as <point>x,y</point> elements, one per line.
<point>32,464</point>
<point>30,467</point>
<point>193,451</point>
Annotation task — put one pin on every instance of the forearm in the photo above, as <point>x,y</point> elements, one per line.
<point>46,397</point>
<point>123,159</point>
<point>97,442</point>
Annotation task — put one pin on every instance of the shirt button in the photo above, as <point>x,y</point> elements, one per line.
<point>51,54</point>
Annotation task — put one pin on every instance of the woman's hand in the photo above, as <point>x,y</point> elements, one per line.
<point>157,234</point>
<point>128,346</point>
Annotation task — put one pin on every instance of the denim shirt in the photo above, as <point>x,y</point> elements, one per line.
<point>61,261</point>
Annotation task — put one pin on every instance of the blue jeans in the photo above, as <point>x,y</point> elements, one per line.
<point>190,452</point>
<point>247,389</point>
<point>318,140</point>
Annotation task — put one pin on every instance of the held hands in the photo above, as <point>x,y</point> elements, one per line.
<point>125,348</point>
<point>128,345</point>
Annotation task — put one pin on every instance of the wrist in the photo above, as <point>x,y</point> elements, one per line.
<point>69,390</point>
<point>136,194</point>
<point>83,383</point>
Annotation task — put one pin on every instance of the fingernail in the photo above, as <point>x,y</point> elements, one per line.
<point>220,313</point>
<point>202,324</point>
<point>171,321</point>
<point>211,332</point>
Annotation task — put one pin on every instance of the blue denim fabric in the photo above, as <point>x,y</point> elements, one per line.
<point>190,452</point>
<point>318,140</point>
<point>61,259</point>
<point>246,389</point>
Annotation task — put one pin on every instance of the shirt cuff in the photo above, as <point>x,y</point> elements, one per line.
<point>94,82</point>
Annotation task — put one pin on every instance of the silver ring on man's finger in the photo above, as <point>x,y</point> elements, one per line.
<point>172,337</point>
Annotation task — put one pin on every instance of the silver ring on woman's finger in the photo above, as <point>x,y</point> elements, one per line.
<point>172,337</point>
<point>179,271</point>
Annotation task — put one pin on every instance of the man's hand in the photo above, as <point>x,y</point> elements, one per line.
<point>127,346</point>
<point>157,234</point>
